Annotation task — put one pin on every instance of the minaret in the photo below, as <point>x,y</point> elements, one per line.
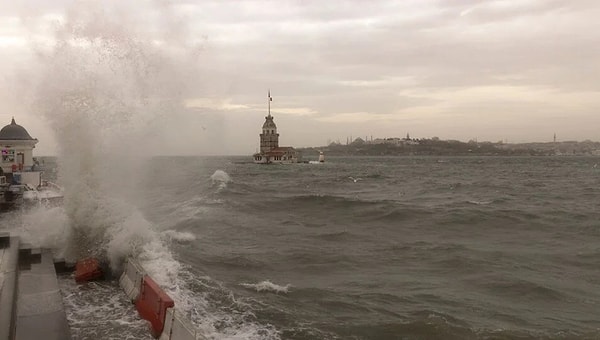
<point>269,138</point>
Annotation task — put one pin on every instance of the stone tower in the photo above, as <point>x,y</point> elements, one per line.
<point>269,138</point>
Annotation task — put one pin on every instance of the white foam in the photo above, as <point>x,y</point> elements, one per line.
<point>267,286</point>
<point>46,227</point>
<point>129,236</point>
<point>221,178</point>
<point>100,312</point>
<point>194,297</point>
<point>182,237</point>
<point>480,202</point>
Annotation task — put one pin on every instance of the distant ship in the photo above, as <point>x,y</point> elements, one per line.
<point>270,151</point>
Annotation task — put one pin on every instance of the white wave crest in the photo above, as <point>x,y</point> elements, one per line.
<point>480,202</point>
<point>178,236</point>
<point>267,286</point>
<point>221,178</point>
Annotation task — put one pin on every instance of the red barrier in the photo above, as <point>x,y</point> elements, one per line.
<point>152,305</point>
<point>87,270</point>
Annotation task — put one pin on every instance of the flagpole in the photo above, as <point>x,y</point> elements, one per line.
<point>269,100</point>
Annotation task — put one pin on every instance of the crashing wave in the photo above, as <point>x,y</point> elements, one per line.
<point>267,286</point>
<point>221,178</point>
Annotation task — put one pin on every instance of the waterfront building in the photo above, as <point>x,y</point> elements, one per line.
<point>17,148</point>
<point>20,173</point>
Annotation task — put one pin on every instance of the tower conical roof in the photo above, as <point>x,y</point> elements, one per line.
<point>269,123</point>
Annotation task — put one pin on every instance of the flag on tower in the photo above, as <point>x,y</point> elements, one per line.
<point>270,99</point>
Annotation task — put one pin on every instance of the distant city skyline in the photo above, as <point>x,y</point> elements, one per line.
<point>371,138</point>
<point>196,74</point>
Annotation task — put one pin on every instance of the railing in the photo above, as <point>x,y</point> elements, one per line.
<point>28,168</point>
<point>49,185</point>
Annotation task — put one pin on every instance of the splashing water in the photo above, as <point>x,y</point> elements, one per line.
<point>221,178</point>
<point>106,84</point>
<point>102,84</point>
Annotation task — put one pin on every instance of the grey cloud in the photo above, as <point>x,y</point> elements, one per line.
<point>349,56</point>
<point>358,52</point>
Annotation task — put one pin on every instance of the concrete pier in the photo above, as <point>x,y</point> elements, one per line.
<point>9,256</point>
<point>31,306</point>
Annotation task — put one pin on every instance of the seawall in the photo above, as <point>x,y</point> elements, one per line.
<point>31,306</point>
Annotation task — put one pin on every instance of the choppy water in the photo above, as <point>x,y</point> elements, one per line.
<point>408,248</point>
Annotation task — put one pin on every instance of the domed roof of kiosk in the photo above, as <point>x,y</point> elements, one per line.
<point>14,131</point>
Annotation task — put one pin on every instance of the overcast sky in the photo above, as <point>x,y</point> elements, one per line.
<point>516,71</point>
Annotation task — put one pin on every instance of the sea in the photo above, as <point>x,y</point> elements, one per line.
<point>354,248</point>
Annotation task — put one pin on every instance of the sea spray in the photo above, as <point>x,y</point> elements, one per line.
<point>104,83</point>
<point>45,226</point>
<point>103,80</point>
<point>220,178</point>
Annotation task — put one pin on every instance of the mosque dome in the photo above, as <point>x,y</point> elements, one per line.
<point>14,131</point>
